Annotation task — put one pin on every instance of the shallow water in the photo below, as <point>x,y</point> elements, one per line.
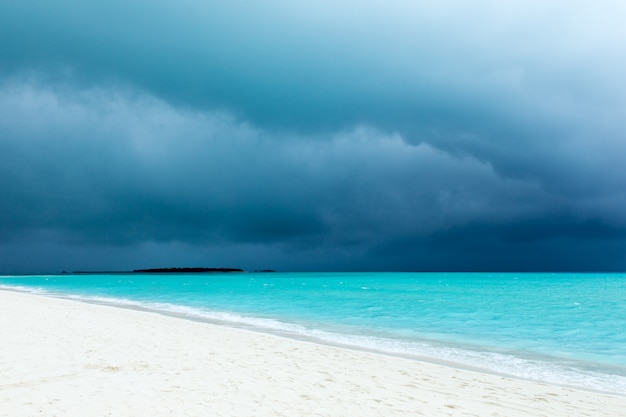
<point>562,328</point>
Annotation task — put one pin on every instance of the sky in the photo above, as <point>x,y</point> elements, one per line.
<point>395,135</point>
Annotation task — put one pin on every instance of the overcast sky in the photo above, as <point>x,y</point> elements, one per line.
<point>326,135</point>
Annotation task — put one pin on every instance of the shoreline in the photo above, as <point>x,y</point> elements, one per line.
<point>291,335</point>
<point>63,357</point>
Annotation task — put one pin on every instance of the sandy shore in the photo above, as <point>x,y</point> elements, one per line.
<point>67,358</point>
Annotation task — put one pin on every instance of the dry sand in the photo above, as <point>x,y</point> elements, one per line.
<point>68,358</point>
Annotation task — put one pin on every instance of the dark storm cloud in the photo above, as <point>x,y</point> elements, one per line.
<point>505,83</point>
<point>381,135</point>
<point>118,168</point>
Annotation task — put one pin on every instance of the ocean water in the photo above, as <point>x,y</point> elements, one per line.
<point>568,329</point>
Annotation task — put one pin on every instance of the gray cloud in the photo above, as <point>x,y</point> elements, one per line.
<point>341,131</point>
<point>113,167</point>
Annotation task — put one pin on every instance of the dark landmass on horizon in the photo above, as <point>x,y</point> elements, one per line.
<point>175,270</point>
<point>185,270</point>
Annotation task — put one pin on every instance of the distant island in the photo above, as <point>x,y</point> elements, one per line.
<point>184,270</point>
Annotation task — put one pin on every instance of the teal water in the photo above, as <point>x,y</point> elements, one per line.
<point>567,329</point>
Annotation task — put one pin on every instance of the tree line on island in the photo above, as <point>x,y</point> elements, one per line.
<point>194,270</point>
<point>186,270</point>
<point>176,270</point>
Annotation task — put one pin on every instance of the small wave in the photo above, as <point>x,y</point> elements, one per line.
<point>30,290</point>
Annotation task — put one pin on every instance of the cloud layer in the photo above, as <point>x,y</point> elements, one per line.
<point>402,135</point>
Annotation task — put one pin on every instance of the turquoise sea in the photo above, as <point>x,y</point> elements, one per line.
<point>568,329</point>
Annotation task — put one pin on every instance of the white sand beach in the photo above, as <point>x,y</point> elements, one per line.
<point>68,358</point>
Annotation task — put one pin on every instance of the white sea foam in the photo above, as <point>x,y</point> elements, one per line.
<point>30,290</point>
